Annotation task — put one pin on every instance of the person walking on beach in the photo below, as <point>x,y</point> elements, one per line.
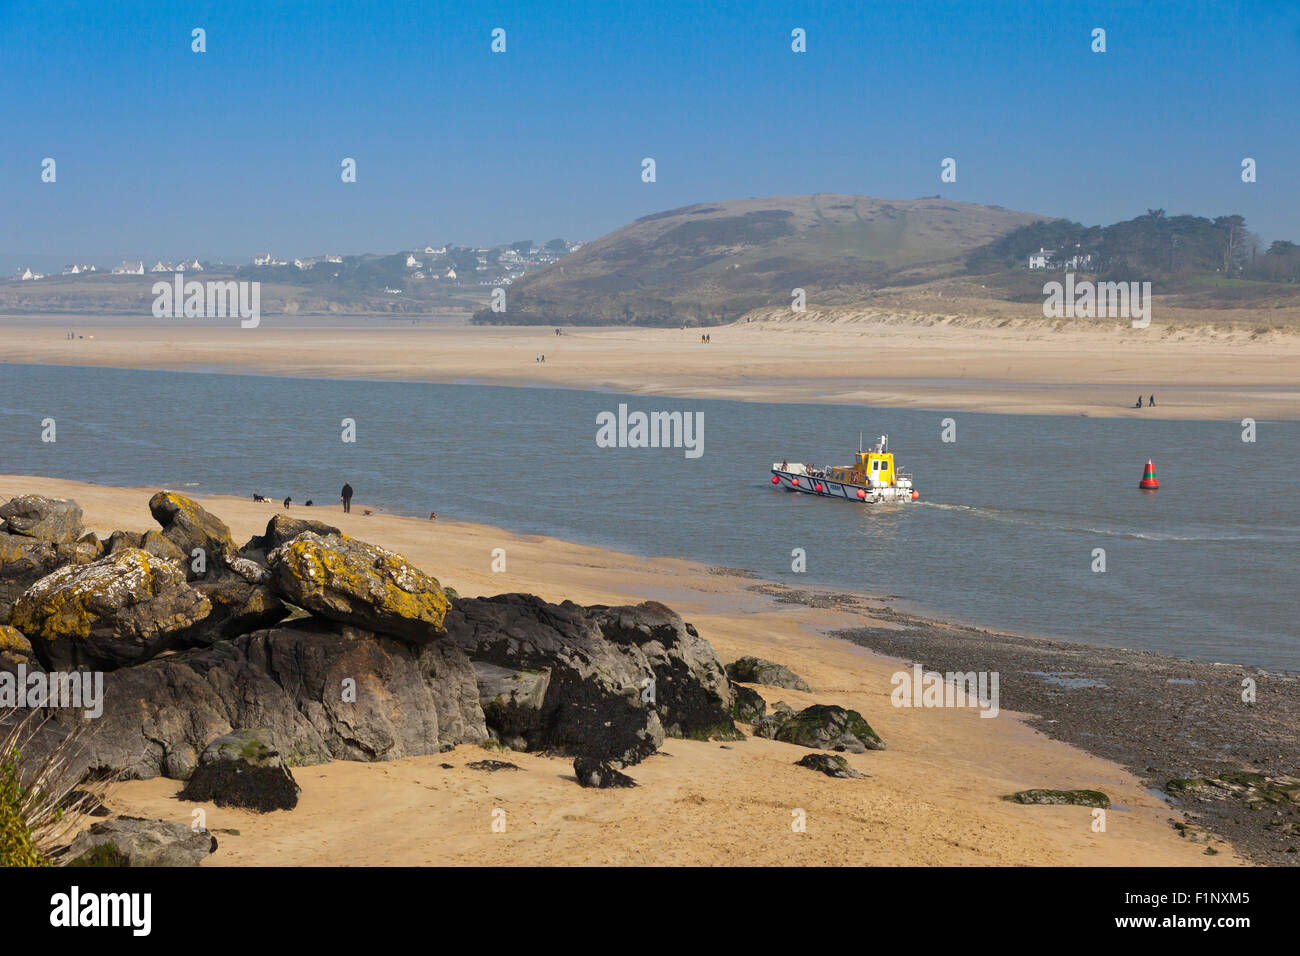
<point>346,495</point>
<point>1152,401</point>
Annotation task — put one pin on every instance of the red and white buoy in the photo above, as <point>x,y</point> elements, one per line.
<point>1149,482</point>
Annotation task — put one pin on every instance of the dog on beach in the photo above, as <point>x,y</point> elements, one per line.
<point>433,516</point>
<point>257,497</point>
<point>307,503</point>
<point>286,501</point>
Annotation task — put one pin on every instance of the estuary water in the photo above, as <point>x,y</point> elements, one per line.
<point>1006,533</point>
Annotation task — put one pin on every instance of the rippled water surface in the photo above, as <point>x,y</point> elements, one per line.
<point>1004,534</point>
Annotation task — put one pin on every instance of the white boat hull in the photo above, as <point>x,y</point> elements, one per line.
<point>809,483</point>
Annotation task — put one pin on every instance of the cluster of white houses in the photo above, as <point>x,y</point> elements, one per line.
<point>1054,259</point>
<point>431,263</point>
<point>125,269</point>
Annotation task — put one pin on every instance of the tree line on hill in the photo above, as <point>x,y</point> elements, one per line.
<point>1153,244</point>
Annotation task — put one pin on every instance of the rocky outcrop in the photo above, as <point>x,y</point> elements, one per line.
<point>821,727</point>
<point>598,774</point>
<point>349,581</point>
<point>131,841</point>
<point>323,693</point>
<point>755,670</point>
<point>118,610</point>
<point>833,765</point>
<point>619,678</point>
<point>55,520</point>
<point>189,526</point>
<point>593,704</point>
<point>332,648</point>
<point>243,769</point>
<point>691,691</point>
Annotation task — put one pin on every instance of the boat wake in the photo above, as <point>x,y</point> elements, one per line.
<point>1048,522</point>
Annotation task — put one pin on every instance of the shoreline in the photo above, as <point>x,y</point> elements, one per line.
<point>1197,372</point>
<point>943,773</point>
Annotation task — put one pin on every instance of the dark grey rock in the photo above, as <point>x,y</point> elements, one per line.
<point>821,727</point>
<point>131,841</point>
<point>243,769</point>
<point>598,774</point>
<point>833,765</point>
<point>755,670</point>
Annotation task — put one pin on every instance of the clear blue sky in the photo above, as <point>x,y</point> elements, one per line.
<point>162,151</point>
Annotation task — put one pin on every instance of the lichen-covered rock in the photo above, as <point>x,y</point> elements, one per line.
<point>56,520</point>
<point>350,581</point>
<point>748,705</point>
<point>155,542</point>
<point>821,727</point>
<point>833,765</point>
<point>1079,798</point>
<point>131,841</point>
<point>597,774</point>
<point>755,670</point>
<point>243,769</point>
<point>118,610</point>
<point>87,549</point>
<point>189,526</point>
<point>15,649</point>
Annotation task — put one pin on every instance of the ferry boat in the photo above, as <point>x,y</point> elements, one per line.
<point>871,478</point>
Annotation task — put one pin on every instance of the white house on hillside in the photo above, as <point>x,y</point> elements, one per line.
<point>1042,259</point>
<point>262,259</point>
<point>129,269</point>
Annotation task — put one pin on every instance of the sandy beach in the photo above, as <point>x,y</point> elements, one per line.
<point>1198,364</point>
<point>932,798</point>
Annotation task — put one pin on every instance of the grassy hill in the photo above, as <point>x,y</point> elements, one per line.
<point>712,262</point>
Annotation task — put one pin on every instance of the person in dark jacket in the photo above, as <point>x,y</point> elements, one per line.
<point>346,495</point>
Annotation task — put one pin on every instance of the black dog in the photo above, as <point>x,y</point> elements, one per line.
<point>257,497</point>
